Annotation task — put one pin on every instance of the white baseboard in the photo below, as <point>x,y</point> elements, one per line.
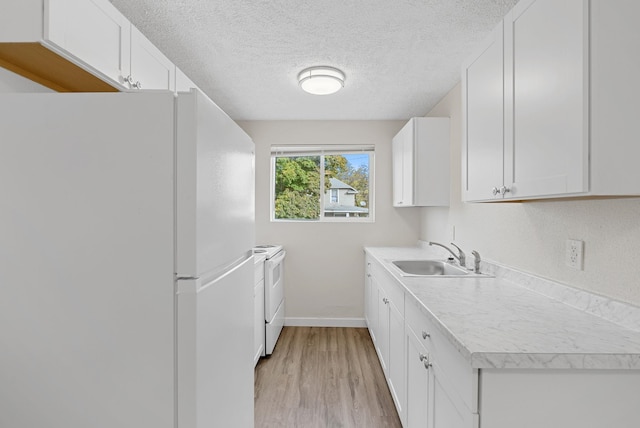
<point>325,322</point>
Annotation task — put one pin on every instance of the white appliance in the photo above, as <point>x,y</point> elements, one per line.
<point>126,222</point>
<point>273,294</point>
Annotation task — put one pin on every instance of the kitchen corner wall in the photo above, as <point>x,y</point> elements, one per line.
<point>530,236</point>
<point>324,269</point>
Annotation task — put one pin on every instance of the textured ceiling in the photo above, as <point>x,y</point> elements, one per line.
<point>400,56</point>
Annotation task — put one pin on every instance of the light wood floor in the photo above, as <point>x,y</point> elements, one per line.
<point>323,377</point>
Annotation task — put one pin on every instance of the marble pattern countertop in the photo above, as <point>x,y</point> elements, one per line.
<point>495,322</point>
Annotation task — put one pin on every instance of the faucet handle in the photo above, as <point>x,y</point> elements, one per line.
<point>461,255</point>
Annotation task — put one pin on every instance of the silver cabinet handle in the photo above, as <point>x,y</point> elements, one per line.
<point>504,190</point>
<point>425,360</point>
<point>137,85</point>
<point>495,191</point>
<point>129,80</point>
<point>425,334</point>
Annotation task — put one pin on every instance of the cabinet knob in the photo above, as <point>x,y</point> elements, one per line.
<point>128,80</point>
<point>425,335</point>
<point>495,191</point>
<point>504,190</point>
<point>137,85</point>
<point>385,300</point>
<point>424,357</point>
<point>427,364</point>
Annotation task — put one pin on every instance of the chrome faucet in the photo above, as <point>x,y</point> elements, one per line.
<point>477,261</point>
<point>460,256</point>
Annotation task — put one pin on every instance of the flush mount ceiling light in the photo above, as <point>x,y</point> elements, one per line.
<point>321,80</point>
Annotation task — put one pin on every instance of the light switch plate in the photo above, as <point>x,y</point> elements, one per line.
<point>573,256</point>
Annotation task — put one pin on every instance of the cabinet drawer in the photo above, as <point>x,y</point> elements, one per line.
<point>458,372</point>
<point>393,290</point>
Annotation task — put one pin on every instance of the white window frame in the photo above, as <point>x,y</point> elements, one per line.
<point>294,151</point>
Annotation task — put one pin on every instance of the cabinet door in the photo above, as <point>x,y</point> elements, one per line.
<point>448,410</point>
<point>397,147</point>
<point>150,69</point>
<point>396,364</point>
<point>418,386</point>
<point>482,97</point>
<point>408,166</point>
<point>371,302</point>
<point>546,98</point>
<point>382,333</point>
<point>94,32</point>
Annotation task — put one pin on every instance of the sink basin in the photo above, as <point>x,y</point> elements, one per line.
<point>428,268</point>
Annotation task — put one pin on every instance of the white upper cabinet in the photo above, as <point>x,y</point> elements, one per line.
<point>94,32</point>
<point>563,115</point>
<point>546,98</point>
<point>150,69</point>
<point>483,147</point>
<point>80,46</point>
<point>421,159</point>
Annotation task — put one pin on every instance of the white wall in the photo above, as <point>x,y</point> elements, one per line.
<point>325,261</point>
<point>11,82</point>
<point>531,236</point>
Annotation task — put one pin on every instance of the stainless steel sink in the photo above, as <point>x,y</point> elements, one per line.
<point>429,268</point>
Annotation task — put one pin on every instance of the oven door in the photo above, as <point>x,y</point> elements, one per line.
<point>273,285</point>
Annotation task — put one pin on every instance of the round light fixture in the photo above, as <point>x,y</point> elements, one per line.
<point>321,80</point>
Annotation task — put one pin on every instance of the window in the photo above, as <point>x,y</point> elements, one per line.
<point>329,183</point>
<point>334,196</point>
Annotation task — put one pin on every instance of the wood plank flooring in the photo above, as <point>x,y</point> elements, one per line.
<point>323,377</point>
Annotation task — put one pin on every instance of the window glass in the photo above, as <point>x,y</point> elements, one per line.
<point>321,185</point>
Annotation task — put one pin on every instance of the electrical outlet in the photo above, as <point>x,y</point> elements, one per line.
<point>573,256</point>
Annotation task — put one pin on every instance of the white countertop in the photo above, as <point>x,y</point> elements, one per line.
<point>496,323</point>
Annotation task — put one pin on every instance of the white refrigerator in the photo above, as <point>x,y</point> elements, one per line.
<point>126,274</point>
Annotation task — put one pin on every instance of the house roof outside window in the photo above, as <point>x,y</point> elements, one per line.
<point>337,184</point>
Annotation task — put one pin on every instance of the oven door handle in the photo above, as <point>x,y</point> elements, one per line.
<point>278,259</point>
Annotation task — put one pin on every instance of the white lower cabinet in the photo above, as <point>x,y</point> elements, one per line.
<point>418,383</point>
<point>440,386</point>
<point>382,330</point>
<point>396,367</point>
<point>385,319</point>
<point>431,384</point>
<point>371,302</point>
<point>434,386</point>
